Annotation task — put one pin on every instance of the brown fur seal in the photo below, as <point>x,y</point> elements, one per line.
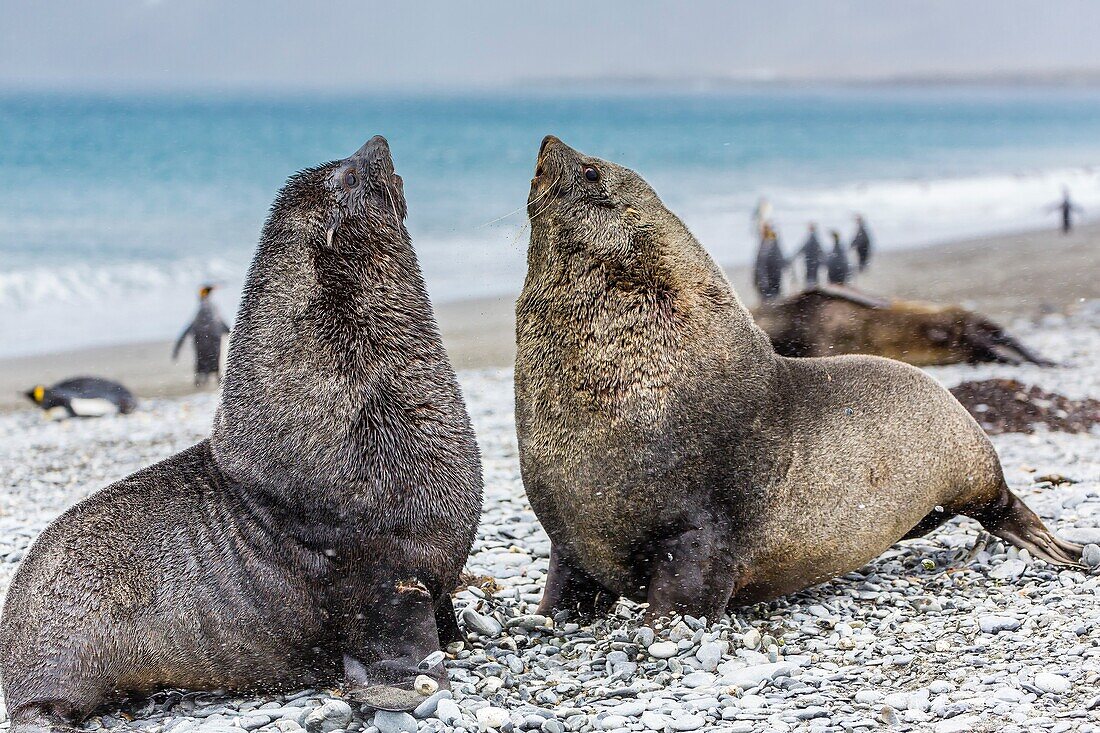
<point>831,320</point>
<point>318,532</point>
<point>674,458</point>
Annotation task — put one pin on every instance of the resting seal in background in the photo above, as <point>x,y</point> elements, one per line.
<point>831,320</point>
<point>674,458</point>
<point>317,533</point>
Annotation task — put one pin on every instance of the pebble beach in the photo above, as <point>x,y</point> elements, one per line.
<point>938,634</point>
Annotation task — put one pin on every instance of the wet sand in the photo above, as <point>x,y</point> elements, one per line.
<point>1005,276</point>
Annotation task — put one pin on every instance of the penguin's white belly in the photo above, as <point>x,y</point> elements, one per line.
<point>92,407</point>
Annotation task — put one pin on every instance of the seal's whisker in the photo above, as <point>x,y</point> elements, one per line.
<point>513,213</point>
<point>541,211</point>
<point>393,206</point>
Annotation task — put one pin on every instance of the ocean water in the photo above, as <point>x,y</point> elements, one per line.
<point>114,208</point>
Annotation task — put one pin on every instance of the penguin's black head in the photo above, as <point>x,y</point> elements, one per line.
<point>36,394</point>
<point>366,188</point>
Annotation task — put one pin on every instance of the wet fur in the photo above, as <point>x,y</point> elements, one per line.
<point>316,535</point>
<point>673,457</point>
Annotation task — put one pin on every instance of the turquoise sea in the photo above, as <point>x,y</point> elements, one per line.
<point>113,208</point>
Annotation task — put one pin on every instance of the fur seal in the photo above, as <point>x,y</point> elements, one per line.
<point>673,457</point>
<point>316,535</point>
<point>829,320</point>
<point>83,397</point>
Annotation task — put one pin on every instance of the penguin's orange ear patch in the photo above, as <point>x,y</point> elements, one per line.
<point>39,392</point>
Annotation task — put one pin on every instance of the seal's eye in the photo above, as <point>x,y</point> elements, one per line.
<point>351,179</point>
<point>591,173</point>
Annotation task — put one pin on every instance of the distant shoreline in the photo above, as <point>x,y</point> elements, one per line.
<point>1055,78</point>
<point>1050,78</point>
<point>1004,276</point>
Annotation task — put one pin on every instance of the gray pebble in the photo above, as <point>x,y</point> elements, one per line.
<point>427,708</point>
<point>710,654</point>
<point>448,711</point>
<point>687,722</point>
<point>996,624</point>
<point>1081,535</point>
<point>484,625</point>
<point>252,722</point>
<point>392,722</point>
<point>1008,570</point>
<point>332,715</point>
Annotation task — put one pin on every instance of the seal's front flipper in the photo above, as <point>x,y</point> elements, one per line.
<point>568,588</point>
<point>1011,520</point>
<point>392,688</point>
<point>39,719</point>
<point>690,575</point>
<point>394,662</point>
<point>926,525</point>
<point>446,621</point>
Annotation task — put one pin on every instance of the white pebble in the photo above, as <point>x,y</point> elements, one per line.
<point>1053,683</point>
<point>662,650</point>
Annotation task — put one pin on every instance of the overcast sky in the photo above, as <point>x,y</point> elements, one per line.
<point>355,44</point>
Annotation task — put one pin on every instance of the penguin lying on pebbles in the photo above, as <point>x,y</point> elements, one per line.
<point>83,397</point>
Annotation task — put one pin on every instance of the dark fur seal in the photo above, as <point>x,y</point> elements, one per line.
<point>318,532</point>
<point>674,458</point>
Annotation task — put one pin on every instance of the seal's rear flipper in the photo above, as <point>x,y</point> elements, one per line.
<point>990,342</point>
<point>1011,520</point>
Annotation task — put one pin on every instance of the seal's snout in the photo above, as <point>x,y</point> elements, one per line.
<point>376,146</point>
<point>552,160</point>
<point>540,169</point>
<point>553,148</point>
<point>548,142</point>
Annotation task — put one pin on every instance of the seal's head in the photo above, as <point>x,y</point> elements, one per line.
<point>590,205</point>
<point>336,211</point>
<point>333,296</point>
<point>366,189</point>
<point>598,227</point>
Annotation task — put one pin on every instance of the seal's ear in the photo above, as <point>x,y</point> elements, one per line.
<point>332,223</point>
<point>397,194</point>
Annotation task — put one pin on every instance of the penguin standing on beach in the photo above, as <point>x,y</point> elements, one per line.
<point>206,330</point>
<point>837,264</point>
<point>768,270</point>
<point>861,243</point>
<point>814,255</point>
<point>83,397</point>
